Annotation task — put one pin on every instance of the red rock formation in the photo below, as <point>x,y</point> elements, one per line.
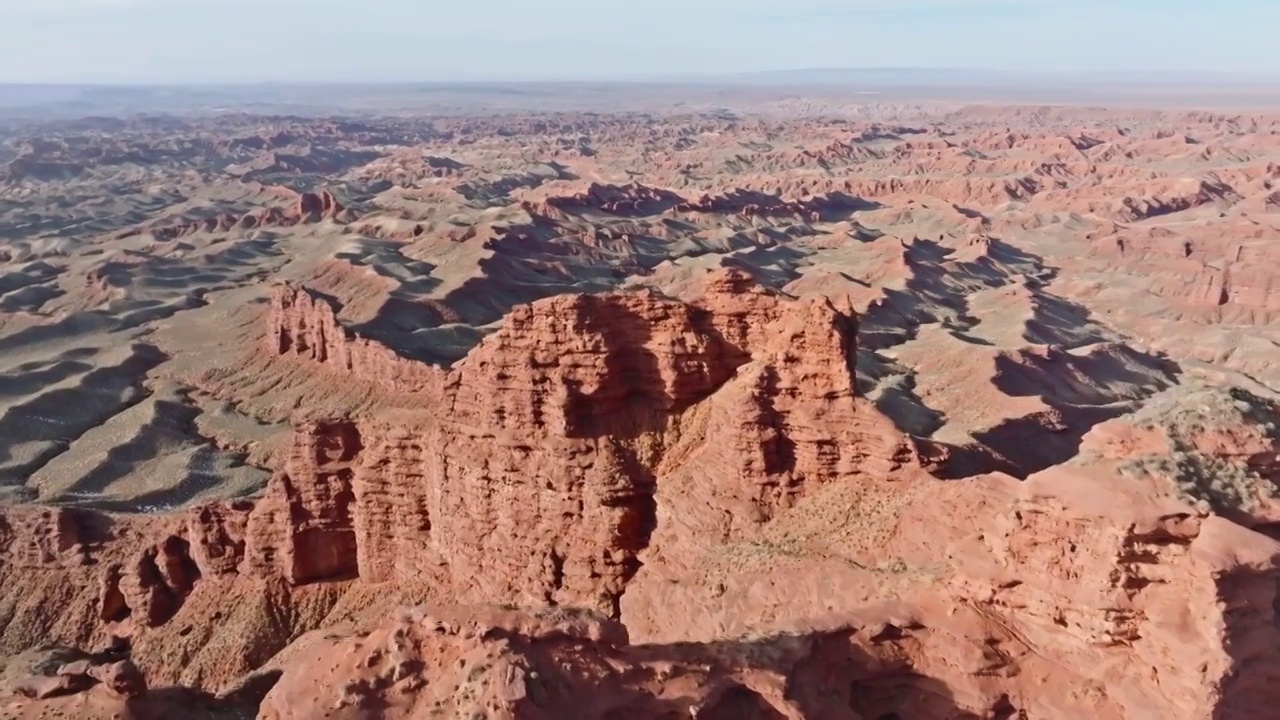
<point>635,200</point>
<point>303,529</point>
<point>474,492</point>
<point>1041,569</point>
<point>307,208</point>
<point>559,664</point>
<point>405,167</point>
<point>1066,582</point>
<point>1225,279</point>
<point>313,207</point>
<point>700,470</point>
<point>1143,208</point>
<point>839,153</point>
<point>752,204</point>
<point>632,199</point>
<point>302,324</point>
<point>59,683</point>
<point>1050,587</point>
<point>963,190</point>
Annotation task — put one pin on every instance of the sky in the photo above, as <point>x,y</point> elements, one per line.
<point>234,41</point>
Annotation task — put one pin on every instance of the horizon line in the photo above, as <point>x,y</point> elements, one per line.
<point>682,78</point>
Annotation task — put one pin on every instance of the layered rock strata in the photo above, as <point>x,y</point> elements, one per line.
<point>703,471</point>
<point>532,477</point>
<point>467,662</point>
<point>302,323</point>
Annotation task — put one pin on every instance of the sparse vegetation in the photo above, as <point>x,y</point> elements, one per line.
<point>1190,411</point>
<point>1213,484</point>
<point>896,565</point>
<point>765,548</point>
<point>563,614</point>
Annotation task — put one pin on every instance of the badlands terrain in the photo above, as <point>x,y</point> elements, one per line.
<point>911,411</point>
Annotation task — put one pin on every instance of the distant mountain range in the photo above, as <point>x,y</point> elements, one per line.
<point>1148,88</point>
<point>922,77</point>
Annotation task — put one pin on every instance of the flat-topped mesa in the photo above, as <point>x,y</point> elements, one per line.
<point>304,324</point>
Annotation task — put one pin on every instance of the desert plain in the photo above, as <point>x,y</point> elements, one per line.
<point>757,407</point>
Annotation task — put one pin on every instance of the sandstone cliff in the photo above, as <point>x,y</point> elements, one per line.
<point>534,476</point>
<point>610,384</point>
<point>302,323</point>
<point>701,471</point>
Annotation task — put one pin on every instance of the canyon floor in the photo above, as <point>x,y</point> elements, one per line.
<point>862,411</point>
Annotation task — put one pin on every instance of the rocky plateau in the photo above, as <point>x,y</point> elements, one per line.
<point>884,412</point>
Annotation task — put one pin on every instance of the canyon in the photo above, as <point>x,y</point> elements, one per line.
<point>915,411</point>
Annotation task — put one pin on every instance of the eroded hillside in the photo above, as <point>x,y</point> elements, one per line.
<point>933,413</point>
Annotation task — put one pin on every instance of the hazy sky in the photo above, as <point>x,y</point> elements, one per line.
<point>405,40</point>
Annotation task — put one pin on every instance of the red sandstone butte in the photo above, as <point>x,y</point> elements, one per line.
<point>740,533</point>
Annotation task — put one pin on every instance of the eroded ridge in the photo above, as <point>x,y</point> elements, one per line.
<point>916,412</point>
